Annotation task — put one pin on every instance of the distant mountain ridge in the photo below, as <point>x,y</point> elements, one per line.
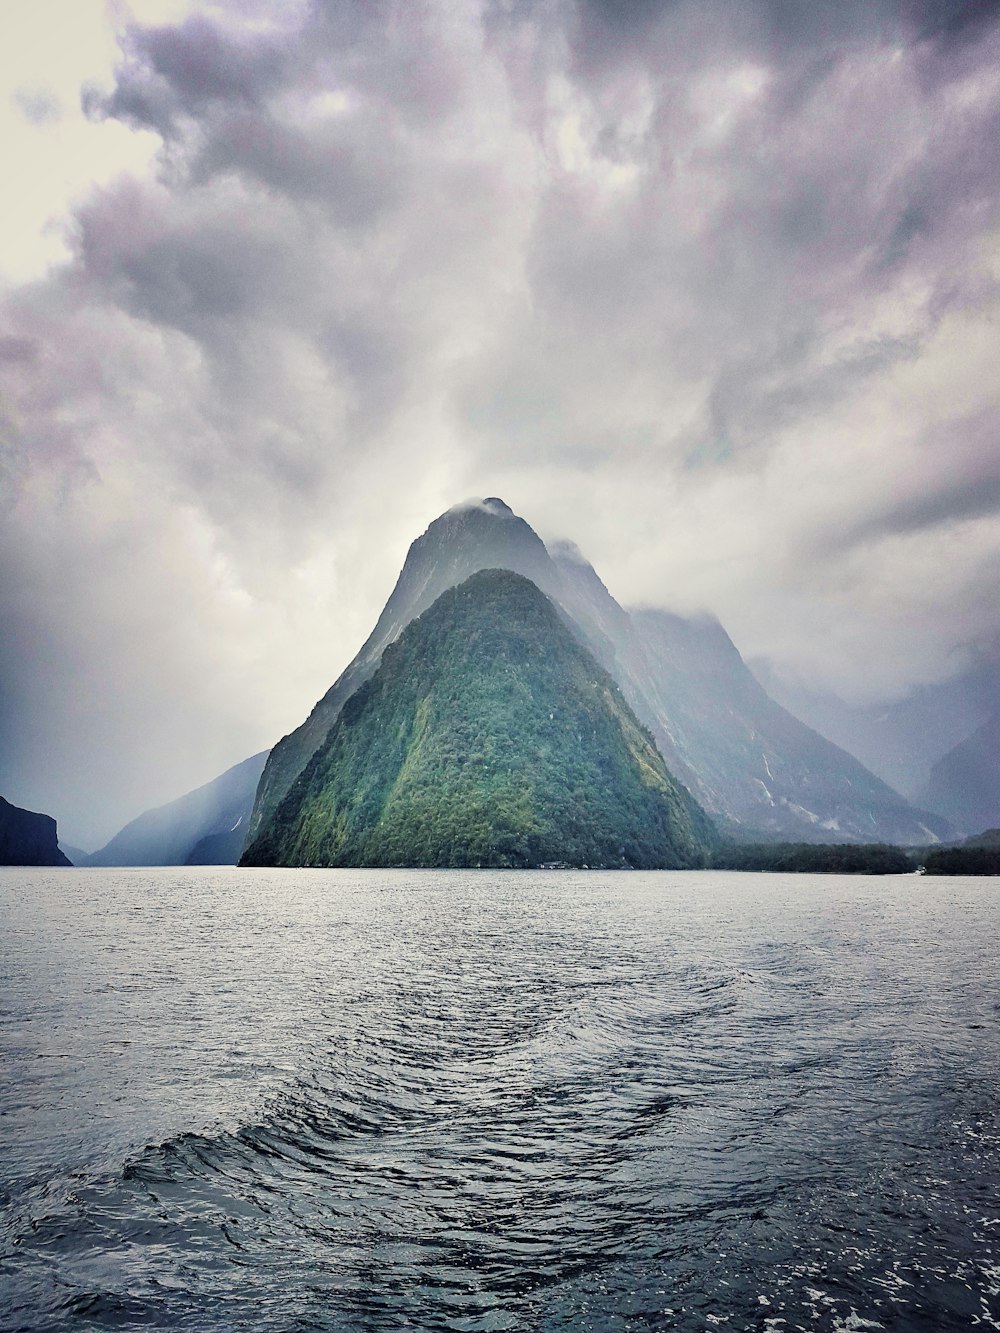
<point>488,736</point>
<point>899,741</point>
<point>988,838</point>
<point>206,826</point>
<point>964,784</point>
<point>28,838</point>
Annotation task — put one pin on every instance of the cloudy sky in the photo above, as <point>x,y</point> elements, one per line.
<point>710,287</point>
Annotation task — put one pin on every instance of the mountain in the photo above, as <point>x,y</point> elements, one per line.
<point>744,757</point>
<point>205,827</point>
<point>965,783</point>
<point>748,761</point>
<point>988,838</point>
<point>480,534</point>
<point>28,839</point>
<point>489,735</point>
<point>900,741</point>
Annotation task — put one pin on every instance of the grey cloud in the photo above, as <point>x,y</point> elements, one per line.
<point>788,25</point>
<point>976,498</point>
<point>949,21</point>
<point>190,277</point>
<point>170,71</point>
<point>956,480</point>
<point>204,65</point>
<point>39,106</point>
<point>18,350</point>
<point>664,276</point>
<point>821,197</point>
<point>354,171</point>
<point>677,33</point>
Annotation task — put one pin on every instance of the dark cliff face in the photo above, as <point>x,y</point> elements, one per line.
<point>28,839</point>
<point>488,736</point>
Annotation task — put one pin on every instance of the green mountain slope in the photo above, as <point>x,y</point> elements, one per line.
<point>488,736</point>
<point>479,534</point>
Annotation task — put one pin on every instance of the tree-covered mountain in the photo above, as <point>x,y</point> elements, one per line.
<point>489,736</point>
<point>988,838</point>
<point>27,838</point>
<point>749,762</point>
<point>477,535</point>
<point>204,827</point>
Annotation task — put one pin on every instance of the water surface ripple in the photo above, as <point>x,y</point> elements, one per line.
<point>486,1101</point>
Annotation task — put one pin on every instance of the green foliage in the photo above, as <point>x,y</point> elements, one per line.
<point>489,736</point>
<point>815,858</point>
<point>962,861</point>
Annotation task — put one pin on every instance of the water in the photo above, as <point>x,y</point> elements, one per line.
<point>483,1101</point>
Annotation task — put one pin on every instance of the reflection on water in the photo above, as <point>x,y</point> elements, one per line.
<point>480,1101</point>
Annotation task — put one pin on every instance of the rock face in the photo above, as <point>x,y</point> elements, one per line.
<point>748,761</point>
<point>488,736</point>
<point>28,839</point>
<point>205,827</point>
<point>965,783</point>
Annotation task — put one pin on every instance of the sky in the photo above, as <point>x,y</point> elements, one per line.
<point>710,288</point>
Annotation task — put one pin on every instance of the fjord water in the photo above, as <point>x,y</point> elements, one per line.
<point>370,1100</point>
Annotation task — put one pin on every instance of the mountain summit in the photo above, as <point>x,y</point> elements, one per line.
<point>489,736</point>
<point>478,534</point>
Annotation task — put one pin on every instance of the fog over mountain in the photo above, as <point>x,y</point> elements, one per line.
<point>710,288</point>
<point>756,769</point>
<point>903,739</point>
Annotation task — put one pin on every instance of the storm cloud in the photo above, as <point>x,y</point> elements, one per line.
<point>711,289</point>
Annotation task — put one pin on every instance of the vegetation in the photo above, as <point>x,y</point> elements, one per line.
<point>488,736</point>
<point>982,857</point>
<point>816,858</point>
<point>983,860</point>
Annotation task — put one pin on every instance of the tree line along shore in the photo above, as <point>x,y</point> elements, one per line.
<point>858,858</point>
